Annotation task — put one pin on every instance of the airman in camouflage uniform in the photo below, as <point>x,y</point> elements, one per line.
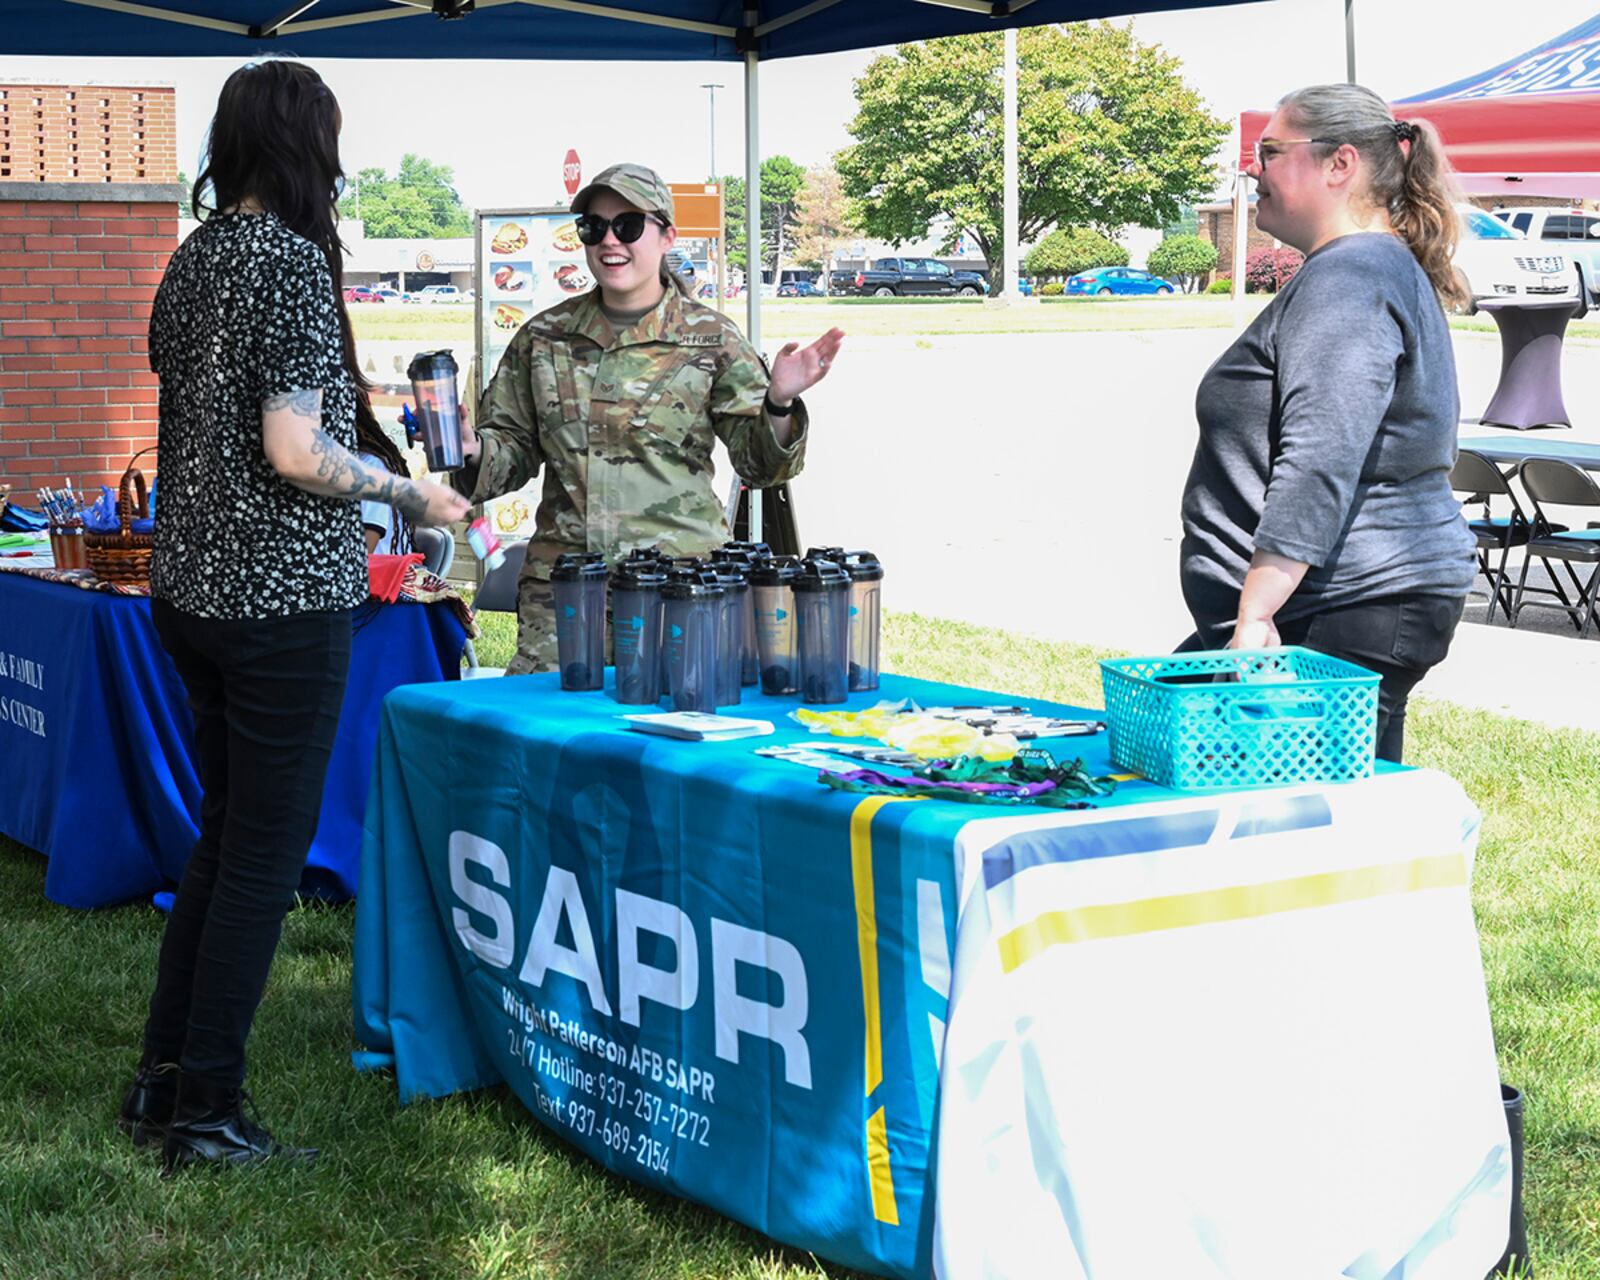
<point>622,426</point>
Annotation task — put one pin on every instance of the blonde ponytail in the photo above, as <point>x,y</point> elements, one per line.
<point>1423,212</point>
<point>1409,177</point>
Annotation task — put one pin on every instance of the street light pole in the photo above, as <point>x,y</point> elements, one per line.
<point>712,176</point>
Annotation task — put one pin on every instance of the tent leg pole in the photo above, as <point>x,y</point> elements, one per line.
<point>752,199</point>
<point>1011,253</point>
<point>1241,245</point>
<point>752,214</point>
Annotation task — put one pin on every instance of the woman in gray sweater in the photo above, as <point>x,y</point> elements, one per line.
<point>1318,509</point>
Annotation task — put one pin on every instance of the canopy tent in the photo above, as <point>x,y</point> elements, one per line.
<point>1523,128</point>
<point>747,31</point>
<point>643,30</point>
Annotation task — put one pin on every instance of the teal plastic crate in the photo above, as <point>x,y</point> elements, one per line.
<point>1239,718</point>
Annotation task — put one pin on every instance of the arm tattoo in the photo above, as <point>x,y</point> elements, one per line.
<point>348,477</point>
<point>333,459</point>
<point>303,404</point>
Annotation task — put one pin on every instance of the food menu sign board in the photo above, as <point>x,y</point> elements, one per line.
<point>528,259</point>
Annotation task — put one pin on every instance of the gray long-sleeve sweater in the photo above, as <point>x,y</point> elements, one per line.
<point>1327,435</point>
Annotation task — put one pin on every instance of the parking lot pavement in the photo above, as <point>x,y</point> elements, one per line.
<point>1031,482</point>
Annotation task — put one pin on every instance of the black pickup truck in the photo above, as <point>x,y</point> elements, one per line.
<point>908,278</point>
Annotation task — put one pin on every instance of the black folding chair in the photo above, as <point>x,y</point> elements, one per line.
<point>438,548</point>
<point>1480,481</point>
<point>1560,484</point>
<point>780,529</point>
<point>497,593</point>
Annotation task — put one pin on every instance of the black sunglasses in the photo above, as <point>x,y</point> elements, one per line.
<point>629,226</point>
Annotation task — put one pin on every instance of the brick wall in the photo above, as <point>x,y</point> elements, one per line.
<point>1216,225</point>
<point>88,133</point>
<point>77,278</point>
<point>88,219</point>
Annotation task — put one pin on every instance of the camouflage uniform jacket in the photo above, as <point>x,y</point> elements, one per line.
<point>623,428</point>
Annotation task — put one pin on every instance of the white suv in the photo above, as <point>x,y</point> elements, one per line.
<point>1573,232</point>
<point>1498,262</point>
<point>440,293</point>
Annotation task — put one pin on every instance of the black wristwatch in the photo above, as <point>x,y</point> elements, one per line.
<point>774,410</point>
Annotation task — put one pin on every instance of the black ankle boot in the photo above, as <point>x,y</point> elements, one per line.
<point>147,1110</point>
<point>210,1126</point>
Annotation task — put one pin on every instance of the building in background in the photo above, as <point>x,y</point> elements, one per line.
<point>89,203</point>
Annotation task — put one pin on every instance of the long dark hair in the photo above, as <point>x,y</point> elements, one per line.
<point>275,139</point>
<point>372,439</point>
<point>1413,183</point>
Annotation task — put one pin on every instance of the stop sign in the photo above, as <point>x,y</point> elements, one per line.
<point>571,172</point>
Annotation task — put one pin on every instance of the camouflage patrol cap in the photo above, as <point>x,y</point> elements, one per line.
<point>640,187</point>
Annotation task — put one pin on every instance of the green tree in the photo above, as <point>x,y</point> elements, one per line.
<point>1183,258</point>
<point>1109,134</point>
<point>1069,250</point>
<point>781,182</point>
<point>824,218</point>
<point>1187,223</point>
<point>733,229</point>
<point>420,201</point>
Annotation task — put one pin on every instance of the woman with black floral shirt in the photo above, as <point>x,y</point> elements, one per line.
<point>259,560</point>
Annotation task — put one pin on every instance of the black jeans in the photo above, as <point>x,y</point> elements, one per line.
<point>266,695</point>
<point>1400,638</point>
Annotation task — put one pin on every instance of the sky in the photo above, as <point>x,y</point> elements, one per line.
<point>505,126</point>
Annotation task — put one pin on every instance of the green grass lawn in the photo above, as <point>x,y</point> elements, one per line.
<point>472,1187</point>
<point>391,322</point>
<point>447,324</point>
<point>865,317</point>
<point>1581,332</point>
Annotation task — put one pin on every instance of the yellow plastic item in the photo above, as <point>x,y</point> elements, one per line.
<point>935,739</point>
<point>874,722</point>
<point>915,731</point>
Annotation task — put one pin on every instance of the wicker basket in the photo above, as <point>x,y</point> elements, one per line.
<point>124,557</point>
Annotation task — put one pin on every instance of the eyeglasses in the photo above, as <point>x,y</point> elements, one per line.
<point>629,226</point>
<point>1267,150</point>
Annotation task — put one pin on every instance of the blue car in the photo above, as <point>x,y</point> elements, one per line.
<point>1118,281</point>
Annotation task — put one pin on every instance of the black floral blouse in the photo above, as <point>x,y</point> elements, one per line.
<point>246,311</point>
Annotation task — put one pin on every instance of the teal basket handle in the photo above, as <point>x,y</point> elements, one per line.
<point>1305,711</point>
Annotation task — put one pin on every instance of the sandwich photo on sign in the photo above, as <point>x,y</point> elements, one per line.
<point>512,277</point>
<point>509,237</point>
<point>572,278</point>
<point>564,238</point>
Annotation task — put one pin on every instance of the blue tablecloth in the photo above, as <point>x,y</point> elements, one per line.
<point>1520,449</point>
<point>763,963</point>
<point>96,740</point>
<point>720,978</point>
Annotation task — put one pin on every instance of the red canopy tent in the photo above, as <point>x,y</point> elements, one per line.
<point>1526,127</point>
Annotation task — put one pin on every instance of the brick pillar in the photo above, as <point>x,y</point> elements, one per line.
<point>78,272</point>
<point>88,219</point>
